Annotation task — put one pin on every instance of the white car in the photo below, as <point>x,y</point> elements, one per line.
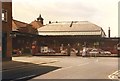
<point>94,52</point>
<point>107,52</point>
<point>51,51</point>
<point>64,51</point>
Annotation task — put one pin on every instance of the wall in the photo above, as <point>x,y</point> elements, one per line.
<point>6,30</point>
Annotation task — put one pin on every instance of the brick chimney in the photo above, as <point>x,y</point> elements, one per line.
<point>109,32</point>
<point>49,22</point>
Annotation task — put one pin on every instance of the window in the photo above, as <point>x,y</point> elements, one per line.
<point>4,15</point>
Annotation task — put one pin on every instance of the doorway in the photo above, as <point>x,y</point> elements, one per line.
<point>4,44</point>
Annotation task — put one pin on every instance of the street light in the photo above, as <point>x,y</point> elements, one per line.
<point>118,48</point>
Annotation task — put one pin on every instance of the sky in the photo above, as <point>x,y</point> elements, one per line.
<point>103,13</point>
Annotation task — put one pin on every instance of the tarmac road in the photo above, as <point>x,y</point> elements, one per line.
<point>63,67</point>
<point>82,68</point>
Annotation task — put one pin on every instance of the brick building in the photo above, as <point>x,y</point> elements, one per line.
<point>23,27</point>
<point>25,34</point>
<point>38,22</point>
<point>6,9</point>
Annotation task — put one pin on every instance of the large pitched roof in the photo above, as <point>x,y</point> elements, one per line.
<point>20,24</point>
<point>17,24</point>
<point>23,27</point>
<point>71,28</point>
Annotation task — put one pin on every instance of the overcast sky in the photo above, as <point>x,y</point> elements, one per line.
<point>103,13</point>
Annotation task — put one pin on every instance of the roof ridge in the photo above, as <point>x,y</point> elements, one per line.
<point>19,21</point>
<point>68,21</point>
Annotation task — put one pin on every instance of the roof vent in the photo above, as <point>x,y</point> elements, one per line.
<point>56,21</point>
<point>109,32</point>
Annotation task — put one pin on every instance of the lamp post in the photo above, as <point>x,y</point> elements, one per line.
<point>118,48</point>
<point>68,49</point>
<point>78,49</point>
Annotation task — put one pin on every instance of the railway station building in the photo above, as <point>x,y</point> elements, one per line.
<point>59,34</point>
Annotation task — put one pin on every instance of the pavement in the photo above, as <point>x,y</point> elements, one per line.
<point>26,67</point>
<point>24,61</point>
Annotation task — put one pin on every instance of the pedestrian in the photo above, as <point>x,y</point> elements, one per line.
<point>22,50</point>
<point>18,51</point>
<point>118,48</point>
<point>33,49</point>
<point>78,49</point>
<point>84,52</point>
<point>68,50</point>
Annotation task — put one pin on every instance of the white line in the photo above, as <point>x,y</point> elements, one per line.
<point>70,67</point>
<point>83,64</point>
<point>112,76</point>
<point>96,60</point>
<point>23,77</point>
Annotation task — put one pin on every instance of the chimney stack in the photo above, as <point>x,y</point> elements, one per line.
<point>49,22</point>
<point>109,32</point>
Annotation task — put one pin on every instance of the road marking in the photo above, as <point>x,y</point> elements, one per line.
<point>83,64</point>
<point>23,77</point>
<point>70,67</point>
<point>49,62</point>
<point>114,75</point>
<point>97,60</point>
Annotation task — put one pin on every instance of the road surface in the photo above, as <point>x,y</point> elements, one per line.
<point>64,67</point>
<point>82,68</point>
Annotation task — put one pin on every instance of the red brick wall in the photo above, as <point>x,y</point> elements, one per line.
<point>7,27</point>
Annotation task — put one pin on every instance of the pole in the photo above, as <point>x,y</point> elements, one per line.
<point>68,50</point>
<point>118,47</point>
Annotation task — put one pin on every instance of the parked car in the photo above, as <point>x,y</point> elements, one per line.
<point>94,52</point>
<point>74,51</point>
<point>107,52</point>
<point>64,51</point>
<point>78,54</point>
<point>51,51</point>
